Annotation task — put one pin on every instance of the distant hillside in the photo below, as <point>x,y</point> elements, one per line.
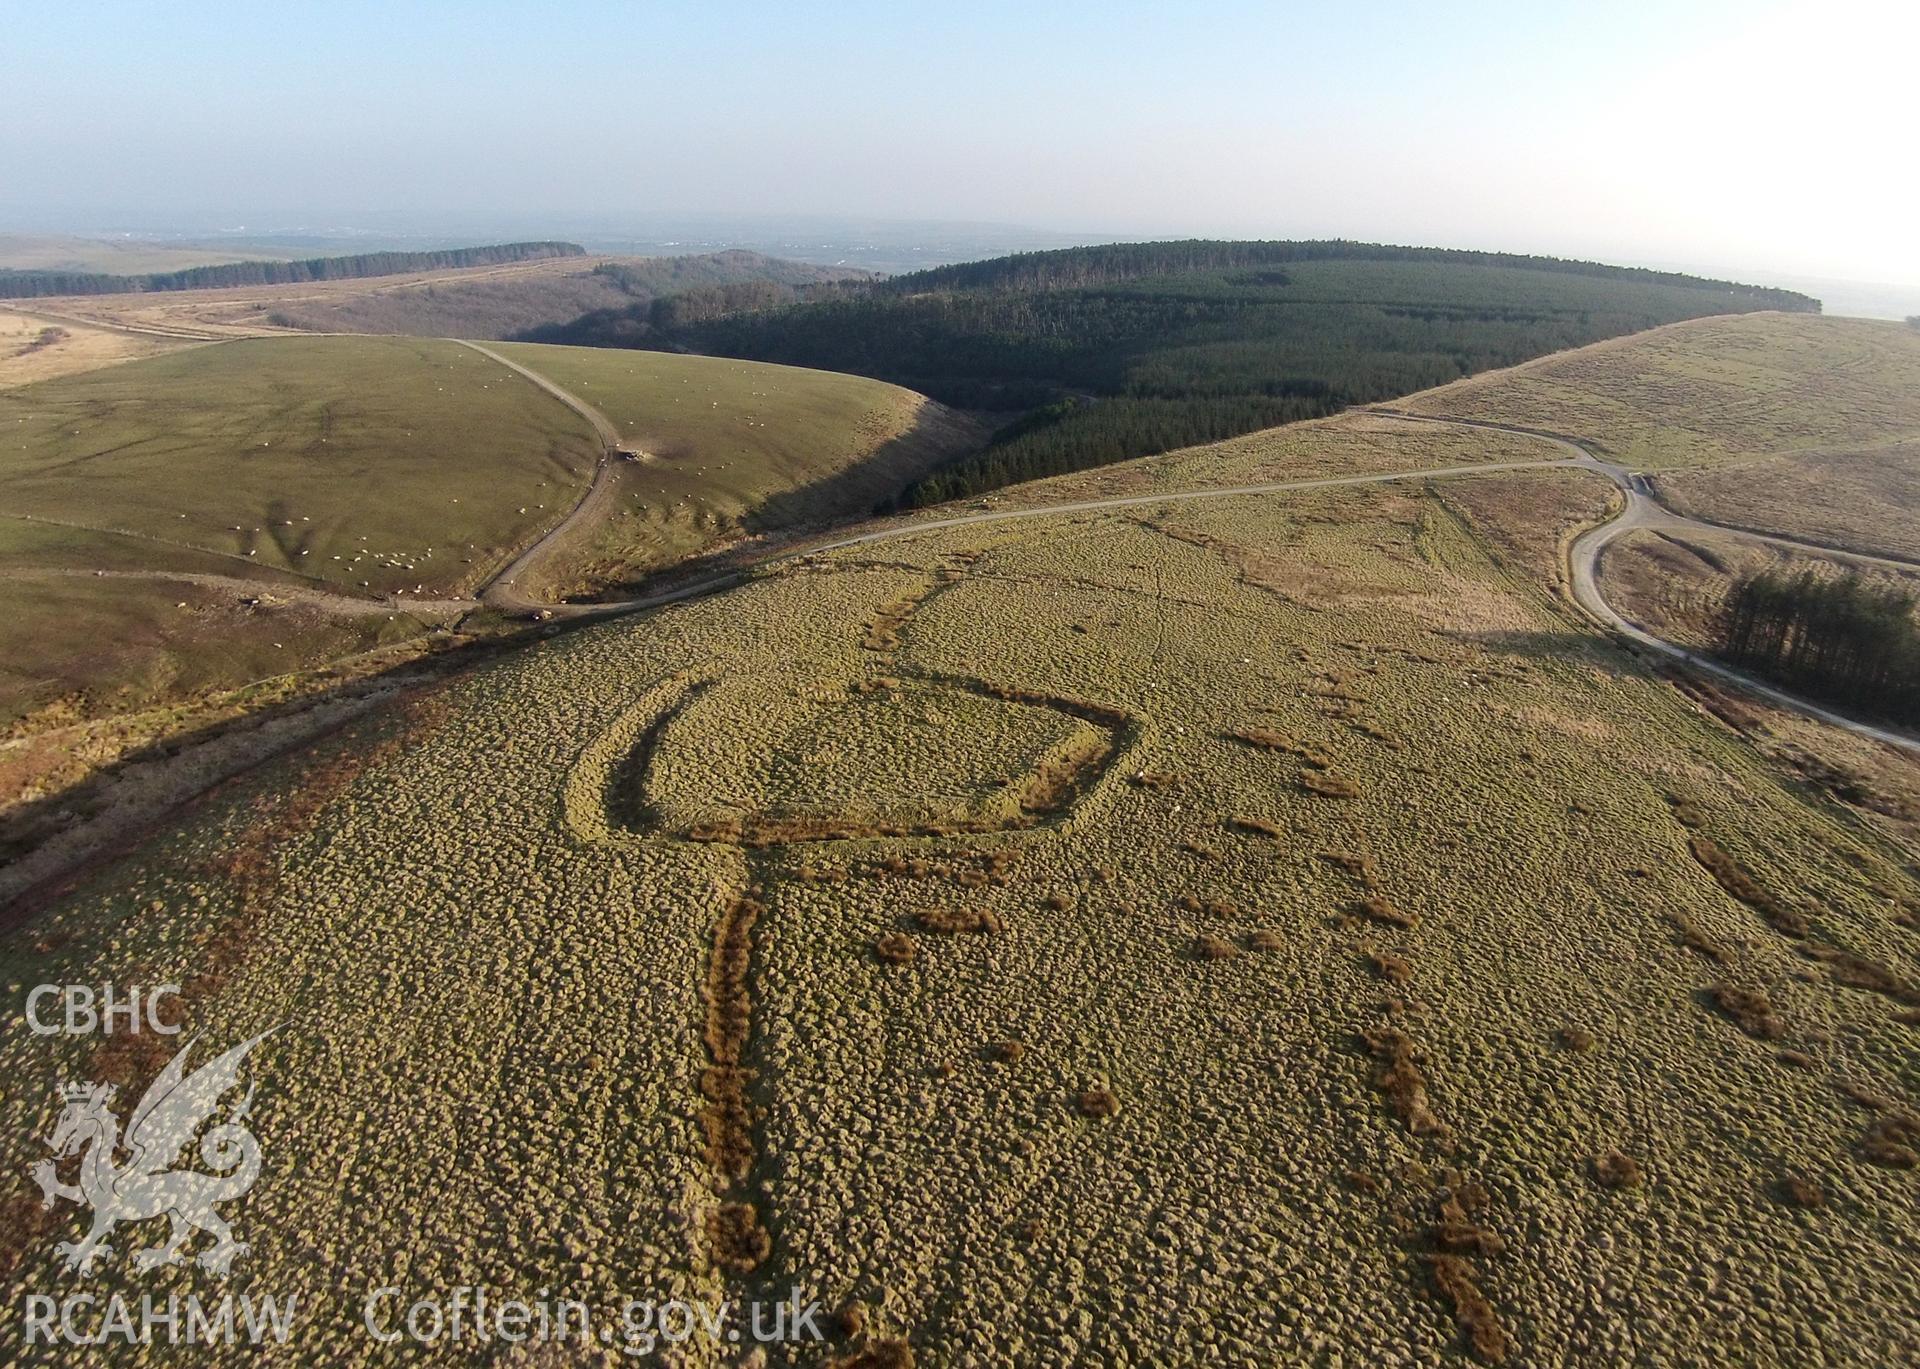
<point>532,303</point>
<point>33,284</point>
<point>664,293</point>
<point>121,256</point>
<point>1127,261</point>
<point>1126,350</point>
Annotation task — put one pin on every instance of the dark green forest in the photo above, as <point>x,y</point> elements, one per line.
<point>1099,354</point>
<point>1836,638</point>
<point>1121,261</point>
<point>34,284</point>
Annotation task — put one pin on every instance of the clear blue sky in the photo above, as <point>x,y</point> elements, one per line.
<point>1742,134</point>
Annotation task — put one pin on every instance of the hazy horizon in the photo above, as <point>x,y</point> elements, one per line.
<point>1756,142</point>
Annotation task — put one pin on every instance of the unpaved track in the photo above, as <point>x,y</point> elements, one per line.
<point>336,605</point>
<point>1643,510</point>
<point>500,591</point>
<point>713,584</point>
<point>182,333</point>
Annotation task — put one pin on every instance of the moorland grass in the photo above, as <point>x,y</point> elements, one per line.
<point>447,884</point>
<point>1712,392</point>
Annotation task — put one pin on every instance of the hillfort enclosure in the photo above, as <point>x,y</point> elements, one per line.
<point>843,687</point>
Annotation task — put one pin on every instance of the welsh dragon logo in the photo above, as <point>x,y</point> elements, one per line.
<point>169,1115</point>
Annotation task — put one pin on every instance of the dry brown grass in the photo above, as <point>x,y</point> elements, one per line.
<point>727,1117</point>
<point>1857,972</point>
<point>1329,785</point>
<point>1212,907</point>
<point>1893,1140</point>
<point>1361,867</point>
<point>1377,909</point>
<point>1799,1191</point>
<point>29,352</point>
<point>952,921</point>
<point>1397,1073</point>
<point>1696,940</point>
<point>1870,1098</point>
<point>1265,939</point>
<point>1859,500</point>
<point>1388,966</point>
<point>1209,947</point>
<point>1456,1230</point>
<point>736,1242</point>
<point>894,948</point>
<point>1390,740</point>
<point>1266,739</point>
<point>1479,1322</point>
<point>1616,1169</point>
<point>1749,1009</point>
<point>1057,781</point>
<point>1097,1103</point>
<point>1744,887</point>
<point>1008,1052</point>
<point>1576,1039</point>
<point>1153,779</point>
<point>1258,827</point>
<point>848,1321</point>
<point>880,1354</point>
<point>1687,813</point>
<point>883,631</point>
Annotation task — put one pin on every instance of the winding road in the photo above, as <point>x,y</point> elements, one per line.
<point>1644,511</point>
<point>1641,510</point>
<point>499,592</point>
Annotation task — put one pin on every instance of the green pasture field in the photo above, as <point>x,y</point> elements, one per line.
<point>736,447</point>
<point>394,465</point>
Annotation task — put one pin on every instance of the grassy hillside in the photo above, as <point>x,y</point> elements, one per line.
<point>1716,393</point>
<point>1677,584</point>
<point>1261,918</point>
<point>1123,351</point>
<point>1867,501</point>
<point>143,508</point>
<point>389,465</point>
<point>731,448</point>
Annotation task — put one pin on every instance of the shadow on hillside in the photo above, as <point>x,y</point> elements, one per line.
<point>938,435</point>
<point>1612,655</point>
<point>859,491</point>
